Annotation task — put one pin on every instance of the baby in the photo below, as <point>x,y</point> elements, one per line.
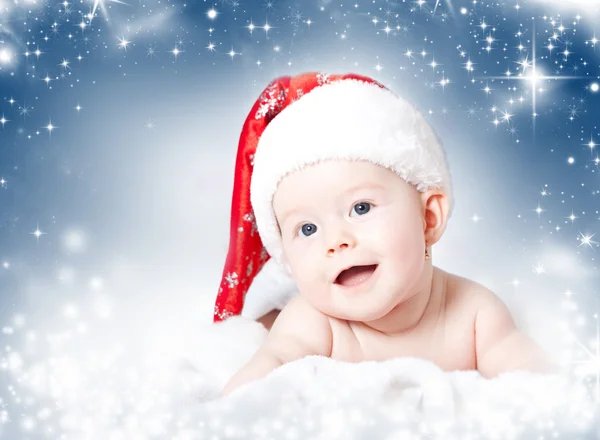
<point>349,189</point>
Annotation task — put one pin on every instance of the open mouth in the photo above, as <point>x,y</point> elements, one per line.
<point>355,275</point>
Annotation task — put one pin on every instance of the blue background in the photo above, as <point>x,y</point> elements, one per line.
<point>132,191</point>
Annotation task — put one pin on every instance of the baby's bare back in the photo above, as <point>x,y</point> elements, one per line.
<point>445,335</point>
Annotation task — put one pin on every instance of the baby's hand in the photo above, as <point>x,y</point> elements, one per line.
<point>299,331</point>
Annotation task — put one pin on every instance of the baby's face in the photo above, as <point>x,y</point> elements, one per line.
<point>340,214</point>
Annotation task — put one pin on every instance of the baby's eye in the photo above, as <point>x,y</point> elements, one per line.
<point>308,229</point>
<point>361,208</point>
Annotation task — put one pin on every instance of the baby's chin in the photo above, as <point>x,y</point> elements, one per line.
<point>356,310</point>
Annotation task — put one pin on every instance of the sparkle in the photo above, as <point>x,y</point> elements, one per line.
<point>151,52</point>
<point>5,56</point>
<point>539,210</point>
<point>38,233</point>
<point>572,217</point>
<point>534,75</point>
<point>591,144</point>
<point>50,127</point>
<point>25,110</point>
<point>123,43</point>
<point>591,365</point>
<point>100,4</point>
<point>539,269</point>
<point>212,14</point>
<point>469,66</point>
<point>3,121</point>
<point>586,240</point>
<point>506,116</point>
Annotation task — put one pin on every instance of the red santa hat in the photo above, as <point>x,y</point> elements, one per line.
<point>302,120</point>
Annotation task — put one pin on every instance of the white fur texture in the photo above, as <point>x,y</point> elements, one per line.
<point>271,289</point>
<point>404,398</point>
<point>347,119</point>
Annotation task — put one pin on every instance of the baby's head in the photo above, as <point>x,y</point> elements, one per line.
<point>337,215</point>
<point>335,171</point>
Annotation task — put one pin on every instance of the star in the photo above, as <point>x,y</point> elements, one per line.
<point>123,43</point>
<point>50,127</point>
<point>587,239</point>
<point>38,233</point>
<point>539,210</point>
<point>212,14</point>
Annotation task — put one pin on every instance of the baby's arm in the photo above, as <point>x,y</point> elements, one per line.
<point>500,346</point>
<point>298,331</point>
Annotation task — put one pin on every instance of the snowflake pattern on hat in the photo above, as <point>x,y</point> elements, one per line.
<point>271,100</point>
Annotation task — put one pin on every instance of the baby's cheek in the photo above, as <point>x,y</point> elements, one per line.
<point>402,241</point>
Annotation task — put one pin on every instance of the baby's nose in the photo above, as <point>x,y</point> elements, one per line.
<point>346,243</point>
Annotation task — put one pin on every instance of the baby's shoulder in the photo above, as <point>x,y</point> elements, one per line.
<point>465,292</point>
<point>300,329</point>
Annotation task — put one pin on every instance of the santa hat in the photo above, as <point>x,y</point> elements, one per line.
<point>302,120</point>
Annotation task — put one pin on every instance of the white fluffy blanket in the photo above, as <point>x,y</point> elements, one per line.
<point>81,390</point>
<point>320,398</point>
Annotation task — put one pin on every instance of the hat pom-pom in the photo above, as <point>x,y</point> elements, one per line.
<point>271,289</point>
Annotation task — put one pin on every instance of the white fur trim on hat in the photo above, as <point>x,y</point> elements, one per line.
<point>346,119</point>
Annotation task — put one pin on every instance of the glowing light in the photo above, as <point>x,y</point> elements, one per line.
<point>100,4</point>
<point>212,14</point>
<point>38,233</point>
<point>587,240</point>
<point>594,87</point>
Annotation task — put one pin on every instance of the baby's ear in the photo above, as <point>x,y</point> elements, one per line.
<point>434,208</point>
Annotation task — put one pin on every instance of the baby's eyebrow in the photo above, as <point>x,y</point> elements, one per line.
<point>287,214</point>
<point>355,188</point>
<point>364,186</point>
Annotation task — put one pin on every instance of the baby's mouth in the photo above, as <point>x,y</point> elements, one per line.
<point>355,275</point>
